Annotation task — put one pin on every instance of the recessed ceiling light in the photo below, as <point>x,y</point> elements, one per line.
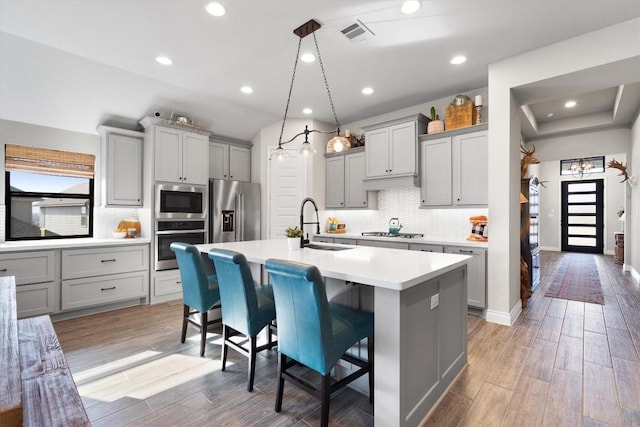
<point>570,104</point>
<point>410,6</point>
<point>164,60</point>
<point>549,114</point>
<point>307,57</point>
<point>246,89</point>
<point>457,60</point>
<point>307,111</point>
<point>367,91</point>
<point>215,9</point>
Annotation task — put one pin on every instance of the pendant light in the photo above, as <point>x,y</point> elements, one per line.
<point>338,141</point>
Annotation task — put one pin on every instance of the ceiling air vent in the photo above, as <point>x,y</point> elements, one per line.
<point>357,32</point>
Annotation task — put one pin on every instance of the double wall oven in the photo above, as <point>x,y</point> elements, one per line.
<point>180,216</point>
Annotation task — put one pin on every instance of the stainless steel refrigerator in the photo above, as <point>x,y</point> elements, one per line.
<point>234,211</point>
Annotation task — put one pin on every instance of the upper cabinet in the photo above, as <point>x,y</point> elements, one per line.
<point>228,161</point>
<point>391,152</point>
<point>345,172</point>
<point>454,168</point>
<point>121,160</point>
<point>180,154</point>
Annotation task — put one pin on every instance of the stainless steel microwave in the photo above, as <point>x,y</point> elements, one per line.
<point>175,201</point>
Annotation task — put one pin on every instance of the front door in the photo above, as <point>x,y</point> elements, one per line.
<point>582,216</point>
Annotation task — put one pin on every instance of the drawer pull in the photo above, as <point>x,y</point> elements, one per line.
<point>108,260</point>
<point>426,250</point>
<point>3,270</point>
<point>466,251</point>
<point>108,289</point>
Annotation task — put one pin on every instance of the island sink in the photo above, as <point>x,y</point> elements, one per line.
<point>326,247</point>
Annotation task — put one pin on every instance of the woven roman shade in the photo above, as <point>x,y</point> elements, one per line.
<point>50,162</point>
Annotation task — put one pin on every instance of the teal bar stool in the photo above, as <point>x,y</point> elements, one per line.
<point>199,291</point>
<point>246,310</point>
<point>314,332</point>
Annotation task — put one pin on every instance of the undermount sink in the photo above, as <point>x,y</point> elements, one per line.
<point>327,247</point>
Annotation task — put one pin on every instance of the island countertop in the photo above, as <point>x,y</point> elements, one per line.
<point>394,269</point>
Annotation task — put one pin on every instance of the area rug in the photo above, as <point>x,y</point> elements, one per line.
<point>577,279</point>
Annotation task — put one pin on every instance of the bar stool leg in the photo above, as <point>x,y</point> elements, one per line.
<point>203,331</point>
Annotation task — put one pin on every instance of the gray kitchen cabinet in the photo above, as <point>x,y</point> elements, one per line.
<point>391,151</point>
<point>383,244</point>
<point>454,169</point>
<point>229,162</point>
<point>181,154</point>
<point>103,275</point>
<point>121,161</point>
<point>322,239</point>
<point>424,247</point>
<point>476,274</point>
<point>470,171</point>
<point>334,188</point>
<point>437,175</point>
<point>35,273</point>
<point>344,174</point>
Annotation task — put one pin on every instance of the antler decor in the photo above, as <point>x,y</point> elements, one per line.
<point>528,159</point>
<point>622,168</point>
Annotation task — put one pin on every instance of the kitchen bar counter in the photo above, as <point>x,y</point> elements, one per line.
<point>420,306</point>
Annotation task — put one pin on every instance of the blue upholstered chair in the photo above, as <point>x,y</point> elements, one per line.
<point>246,310</point>
<point>199,291</point>
<point>315,332</point>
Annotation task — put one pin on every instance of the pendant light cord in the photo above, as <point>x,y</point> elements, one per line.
<point>326,84</point>
<point>293,77</point>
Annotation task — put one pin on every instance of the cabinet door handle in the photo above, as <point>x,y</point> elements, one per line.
<point>108,260</point>
<point>108,289</point>
<point>231,176</point>
<point>3,270</point>
<point>426,250</point>
<point>178,282</point>
<point>465,251</point>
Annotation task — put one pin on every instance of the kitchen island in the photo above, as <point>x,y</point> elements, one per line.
<point>419,301</point>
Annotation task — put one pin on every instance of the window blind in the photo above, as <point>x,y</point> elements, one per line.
<point>50,162</point>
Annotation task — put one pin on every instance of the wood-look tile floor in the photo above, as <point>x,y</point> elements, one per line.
<point>564,363</point>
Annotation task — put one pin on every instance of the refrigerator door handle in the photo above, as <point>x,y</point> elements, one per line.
<point>240,223</point>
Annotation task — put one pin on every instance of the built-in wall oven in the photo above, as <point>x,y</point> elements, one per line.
<point>178,201</point>
<point>176,230</point>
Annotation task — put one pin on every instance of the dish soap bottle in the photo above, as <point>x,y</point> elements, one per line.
<point>132,225</point>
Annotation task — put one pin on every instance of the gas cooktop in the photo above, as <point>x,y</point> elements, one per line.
<point>387,234</point>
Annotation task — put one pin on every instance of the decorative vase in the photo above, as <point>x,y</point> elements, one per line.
<point>293,243</point>
<point>435,126</point>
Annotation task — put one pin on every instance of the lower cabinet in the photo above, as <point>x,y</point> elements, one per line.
<point>79,293</point>
<point>36,280</point>
<point>98,276</point>
<point>383,244</point>
<point>426,247</point>
<point>36,299</point>
<point>476,277</point>
<point>166,285</point>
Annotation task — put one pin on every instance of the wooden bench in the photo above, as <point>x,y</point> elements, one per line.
<point>48,393</point>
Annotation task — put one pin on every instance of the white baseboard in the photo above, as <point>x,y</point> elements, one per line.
<point>634,274</point>
<point>503,318</point>
<point>549,248</point>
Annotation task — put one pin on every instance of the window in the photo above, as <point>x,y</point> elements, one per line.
<point>581,167</point>
<point>48,193</point>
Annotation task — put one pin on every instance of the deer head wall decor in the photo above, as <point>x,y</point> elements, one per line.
<point>528,159</point>
<point>622,168</point>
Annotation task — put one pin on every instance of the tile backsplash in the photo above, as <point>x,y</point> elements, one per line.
<point>403,203</point>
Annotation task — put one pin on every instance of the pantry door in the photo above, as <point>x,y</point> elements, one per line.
<point>583,216</point>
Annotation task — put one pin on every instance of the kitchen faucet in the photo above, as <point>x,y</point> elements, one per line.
<point>303,241</point>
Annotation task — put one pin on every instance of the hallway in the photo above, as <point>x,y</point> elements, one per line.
<point>563,363</point>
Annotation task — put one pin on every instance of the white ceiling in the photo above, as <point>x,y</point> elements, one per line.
<point>75,64</point>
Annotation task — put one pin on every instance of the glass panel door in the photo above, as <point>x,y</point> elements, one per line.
<point>582,216</point>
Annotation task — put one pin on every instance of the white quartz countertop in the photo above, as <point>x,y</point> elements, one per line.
<point>32,245</point>
<point>419,240</point>
<point>396,269</point>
